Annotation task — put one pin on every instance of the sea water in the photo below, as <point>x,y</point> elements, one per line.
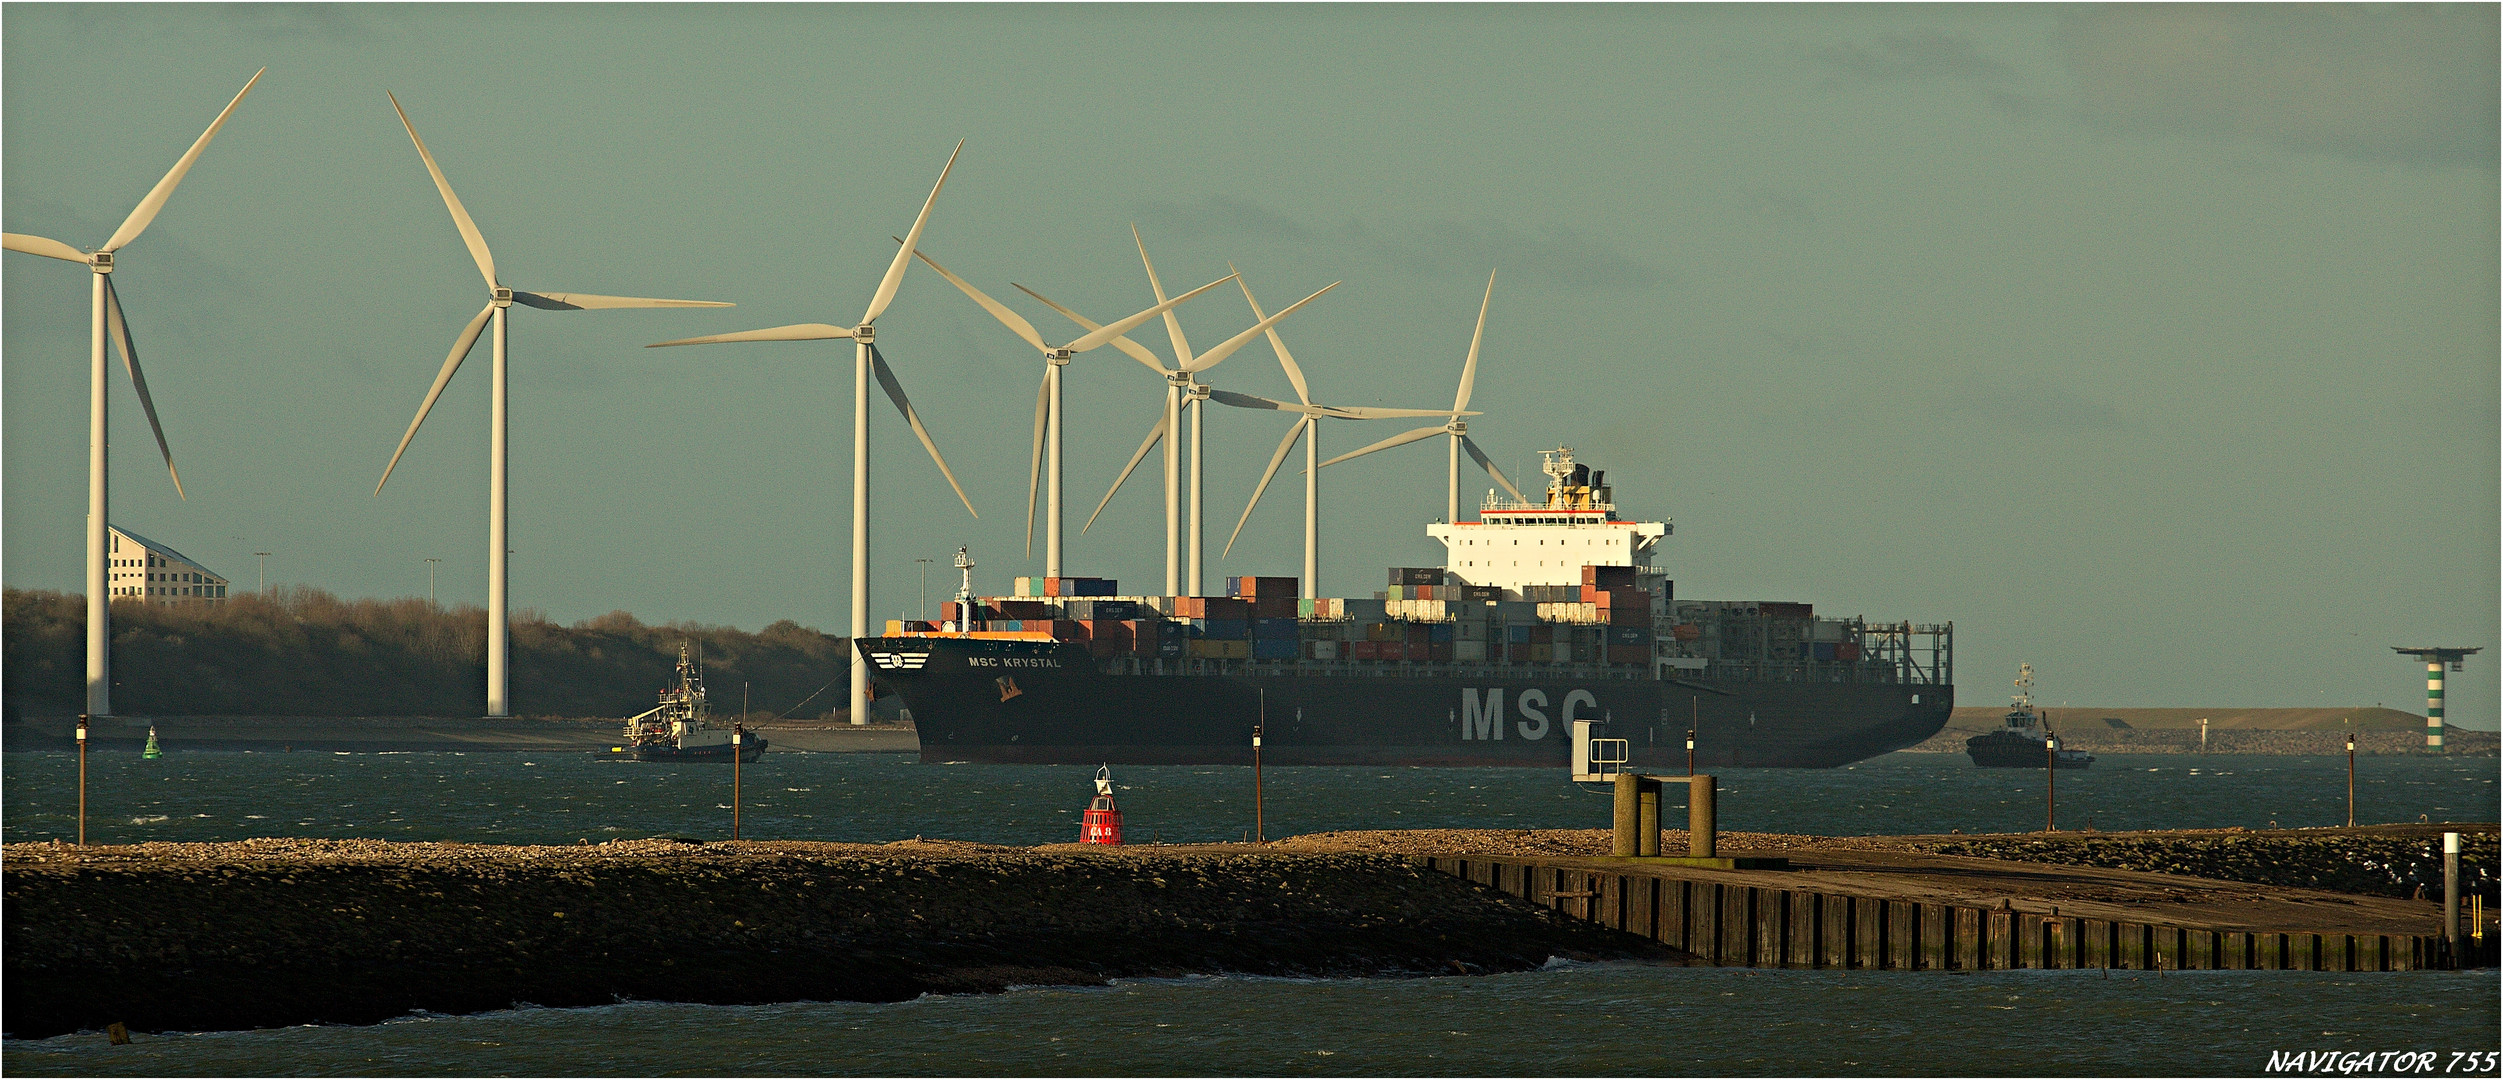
<point>1595,1019</point>
<point>559,798</point>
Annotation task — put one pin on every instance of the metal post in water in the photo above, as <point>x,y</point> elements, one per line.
<point>738,742</point>
<point>2350,779</point>
<point>2451,896</point>
<point>1701,836</point>
<point>1626,840</point>
<point>82,779</point>
<point>2051,784</point>
<point>1260,828</point>
<point>1647,817</point>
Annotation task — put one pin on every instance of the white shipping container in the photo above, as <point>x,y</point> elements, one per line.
<point>1468,650</point>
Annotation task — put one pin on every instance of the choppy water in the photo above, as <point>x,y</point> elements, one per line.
<point>1607,1019</point>
<point>1571,1020</point>
<point>560,798</point>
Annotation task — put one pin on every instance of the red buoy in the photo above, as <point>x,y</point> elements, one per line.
<point>1102,823</point>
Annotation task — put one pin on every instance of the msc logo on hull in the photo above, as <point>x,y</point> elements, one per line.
<point>1481,714</point>
<point>891,661</point>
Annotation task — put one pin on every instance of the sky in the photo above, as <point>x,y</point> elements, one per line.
<point>2154,346</point>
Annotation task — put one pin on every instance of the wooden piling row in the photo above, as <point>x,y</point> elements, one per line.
<point>1741,925</point>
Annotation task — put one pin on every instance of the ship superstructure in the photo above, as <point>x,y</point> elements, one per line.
<point>1477,662</point>
<point>680,727</point>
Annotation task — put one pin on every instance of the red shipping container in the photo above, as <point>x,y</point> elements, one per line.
<point>1273,607</point>
<point>1417,634</point>
<point>1519,654</point>
<point>1608,577</point>
<point>1068,630</point>
<point>1418,650</point>
<point>1627,616</point>
<point>1440,650</point>
<point>1275,586</point>
<point>1629,654</point>
<point>1775,609</point>
<point>1219,607</point>
<point>1848,651</point>
<point>1542,634</point>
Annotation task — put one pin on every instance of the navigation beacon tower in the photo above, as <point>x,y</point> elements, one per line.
<point>2434,659</point>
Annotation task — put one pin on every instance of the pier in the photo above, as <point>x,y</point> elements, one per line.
<point>1903,911</point>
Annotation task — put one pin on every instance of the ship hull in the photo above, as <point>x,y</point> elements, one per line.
<point>1040,702</point>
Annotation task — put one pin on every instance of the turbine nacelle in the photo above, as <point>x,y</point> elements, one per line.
<point>101,262</point>
<point>500,296</point>
<point>865,333</point>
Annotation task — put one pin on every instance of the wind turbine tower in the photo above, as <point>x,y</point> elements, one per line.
<point>105,318</point>
<point>500,300</point>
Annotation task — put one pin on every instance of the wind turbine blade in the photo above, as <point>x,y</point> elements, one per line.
<point>119,328</point>
<point>1286,359</point>
<point>1468,371</point>
<point>1000,311</point>
<point>460,350</point>
<point>560,301</point>
<point>895,393</point>
<point>1368,412</point>
<point>36,245</point>
<point>460,216</point>
<point>145,212</point>
<point>1153,434</point>
<point>1488,464</point>
<point>894,278</point>
<point>1137,351</point>
<point>1034,464</point>
<point>814,331</point>
<point>1275,460</point>
<point>1115,330</point>
<point>1402,439</point>
<point>1173,322</point>
<point>1249,401</point>
<point>1209,359</point>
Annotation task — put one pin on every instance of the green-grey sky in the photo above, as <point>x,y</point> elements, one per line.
<point>2156,346</point>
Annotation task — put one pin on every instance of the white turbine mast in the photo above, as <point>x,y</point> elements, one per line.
<point>104,319</point>
<point>1047,404</point>
<point>1181,384</point>
<point>1457,429</point>
<point>500,299</point>
<point>1308,428</point>
<point>867,361</point>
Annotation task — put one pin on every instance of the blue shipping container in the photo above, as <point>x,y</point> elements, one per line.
<point>1263,629</point>
<point>1224,629</point>
<point>1437,633</point>
<point>1517,633</point>
<point>1276,648</point>
<point>1824,650</point>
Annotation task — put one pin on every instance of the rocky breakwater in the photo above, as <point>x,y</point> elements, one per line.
<point>273,932</point>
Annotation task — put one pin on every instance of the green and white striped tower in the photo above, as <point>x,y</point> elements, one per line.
<point>2434,660</point>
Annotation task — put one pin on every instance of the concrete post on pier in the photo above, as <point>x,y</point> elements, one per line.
<point>1627,841</point>
<point>1647,817</point>
<point>1701,820</point>
<point>1637,832</point>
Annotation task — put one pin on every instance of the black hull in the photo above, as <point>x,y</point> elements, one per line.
<point>1993,752</point>
<point>1039,703</point>
<point>747,753</point>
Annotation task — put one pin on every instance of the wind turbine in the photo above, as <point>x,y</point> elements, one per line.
<point>500,299</point>
<point>1180,385</point>
<point>1047,410</point>
<point>1456,428</point>
<point>105,318</point>
<point>1310,424</point>
<point>866,362</point>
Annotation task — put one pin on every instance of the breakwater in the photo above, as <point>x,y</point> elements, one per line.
<point>2459,742</point>
<point>1893,910</point>
<point>274,932</point>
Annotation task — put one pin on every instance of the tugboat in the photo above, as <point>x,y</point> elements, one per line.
<point>2021,743</point>
<point>678,730</point>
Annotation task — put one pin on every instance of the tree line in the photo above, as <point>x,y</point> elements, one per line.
<point>300,651</point>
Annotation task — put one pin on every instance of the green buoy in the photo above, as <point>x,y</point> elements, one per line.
<point>151,752</point>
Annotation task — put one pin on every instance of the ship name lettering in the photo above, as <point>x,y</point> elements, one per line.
<point>1012,661</point>
<point>1577,697</point>
<point>1481,717</point>
<point>1537,713</point>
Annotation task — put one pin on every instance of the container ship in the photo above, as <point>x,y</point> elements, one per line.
<point>1543,614</point>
